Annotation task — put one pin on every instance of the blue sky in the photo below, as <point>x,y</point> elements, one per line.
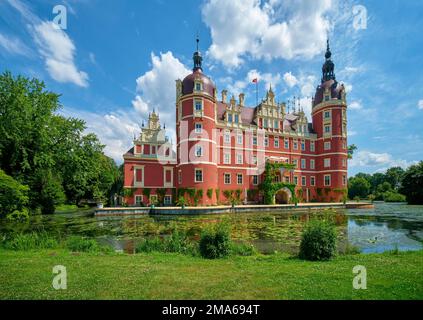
<point>116,60</point>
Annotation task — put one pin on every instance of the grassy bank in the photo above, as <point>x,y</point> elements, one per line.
<point>28,275</point>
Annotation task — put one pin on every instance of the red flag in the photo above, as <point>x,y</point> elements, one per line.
<point>255,80</point>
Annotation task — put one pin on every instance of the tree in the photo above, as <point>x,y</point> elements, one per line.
<point>412,184</point>
<point>394,176</point>
<point>358,187</point>
<point>13,195</point>
<point>351,149</point>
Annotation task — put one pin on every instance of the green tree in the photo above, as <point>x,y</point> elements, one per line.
<point>358,187</point>
<point>13,195</point>
<point>412,184</point>
<point>394,176</point>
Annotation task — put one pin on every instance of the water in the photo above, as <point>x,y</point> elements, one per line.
<point>387,227</point>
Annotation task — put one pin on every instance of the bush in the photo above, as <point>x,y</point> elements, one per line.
<point>318,241</point>
<point>13,195</point>
<point>392,196</point>
<point>80,244</point>
<point>242,249</point>
<point>30,241</point>
<point>177,243</point>
<point>215,242</point>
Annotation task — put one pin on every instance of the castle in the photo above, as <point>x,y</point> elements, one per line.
<point>223,145</point>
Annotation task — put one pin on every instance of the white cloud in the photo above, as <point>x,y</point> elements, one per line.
<point>355,105</point>
<point>290,79</point>
<point>352,133</point>
<point>420,104</point>
<point>272,29</point>
<point>58,51</point>
<point>14,45</point>
<point>156,89</point>
<point>384,160</point>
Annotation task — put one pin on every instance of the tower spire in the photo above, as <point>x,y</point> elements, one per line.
<point>198,59</point>
<point>328,69</point>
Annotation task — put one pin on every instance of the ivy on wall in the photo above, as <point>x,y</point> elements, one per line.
<point>270,187</point>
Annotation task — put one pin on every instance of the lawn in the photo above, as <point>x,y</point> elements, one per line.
<point>28,275</point>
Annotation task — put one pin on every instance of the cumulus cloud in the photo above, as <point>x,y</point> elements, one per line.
<point>272,29</point>
<point>58,51</point>
<point>290,79</point>
<point>156,89</point>
<point>382,161</point>
<point>355,105</point>
<point>420,104</point>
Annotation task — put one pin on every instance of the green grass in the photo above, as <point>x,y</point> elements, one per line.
<point>28,275</point>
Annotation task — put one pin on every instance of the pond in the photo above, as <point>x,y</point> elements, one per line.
<point>387,227</point>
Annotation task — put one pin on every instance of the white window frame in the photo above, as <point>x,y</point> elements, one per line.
<point>227,136</point>
<point>327,145</point>
<point>303,145</point>
<point>296,180</point>
<point>266,141</point>
<point>295,144</point>
<point>138,196</point>
<point>199,147</point>
<point>286,143</point>
<point>227,158</point>
<point>224,178</point>
<point>195,175</point>
<point>239,138</point>
<point>313,181</point>
<point>312,146</point>
<point>328,126</point>
<point>324,180</point>
<point>238,175</point>
<point>303,181</point>
<point>198,129</point>
<point>303,164</point>
<point>255,180</point>
<point>326,163</point>
<point>239,158</point>
<point>167,196</point>
<point>312,164</point>
<point>276,142</point>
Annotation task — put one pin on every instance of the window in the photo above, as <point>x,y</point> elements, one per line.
<point>138,175</point>
<point>344,162</point>
<point>312,165</point>
<point>230,117</point>
<point>327,98</point>
<point>276,124</point>
<point>198,105</point>
<point>286,144</point>
<point>255,180</point>
<point>198,86</point>
<point>327,145</point>
<point>344,180</point>
<point>227,178</point>
<point>167,200</point>
<point>198,175</point>
<point>276,142</point>
<point>265,123</point>
<point>254,159</point>
<point>327,180</point>
<point>327,114</point>
<point>303,181</point>
<point>266,141</point>
<point>239,158</point>
<point>254,140</point>
<point>153,199</point>
<point>344,144</point>
<point>312,146</point>
<point>295,163</point>
<point>312,181</point>
<point>227,137</point>
<point>198,128</point>
<point>198,151</point>
<point>179,177</point>
<point>287,180</point>
<point>239,138</point>
<point>236,118</point>
<point>327,129</point>
<point>239,178</point>
<point>138,200</point>
<point>295,145</point>
<point>326,163</point>
<point>302,145</point>
<point>295,180</point>
<point>303,163</point>
<point>153,149</point>
<point>227,158</point>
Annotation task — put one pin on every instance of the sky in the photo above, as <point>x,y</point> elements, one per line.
<point>114,61</point>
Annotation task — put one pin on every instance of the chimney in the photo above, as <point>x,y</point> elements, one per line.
<point>224,95</point>
<point>241,99</point>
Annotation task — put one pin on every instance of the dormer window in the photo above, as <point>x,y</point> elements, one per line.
<point>327,97</point>
<point>198,86</point>
<point>229,117</point>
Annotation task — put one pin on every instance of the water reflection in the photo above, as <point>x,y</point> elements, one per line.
<point>386,227</point>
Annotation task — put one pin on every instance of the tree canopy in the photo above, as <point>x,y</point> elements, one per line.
<point>47,152</point>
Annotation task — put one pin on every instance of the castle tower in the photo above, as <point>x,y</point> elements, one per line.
<point>195,124</point>
<point>329,116</point>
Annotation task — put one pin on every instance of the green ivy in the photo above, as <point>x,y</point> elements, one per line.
<point>209,193</point>
<point>269,187</point>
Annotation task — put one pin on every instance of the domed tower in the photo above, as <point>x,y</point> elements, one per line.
<point>195,124</point>
<point>329,115</point>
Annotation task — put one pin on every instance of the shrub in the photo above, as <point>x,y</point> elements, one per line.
<point>177,242</point>
<point>150,245</point>
<point>31,241</point>
<point>392,196</point>
<point>209,193</point>
<point>318,241</point>
<point>80,244</point>
<point>242,249</point>
<point>13,195</point>
<point>215,242</point>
